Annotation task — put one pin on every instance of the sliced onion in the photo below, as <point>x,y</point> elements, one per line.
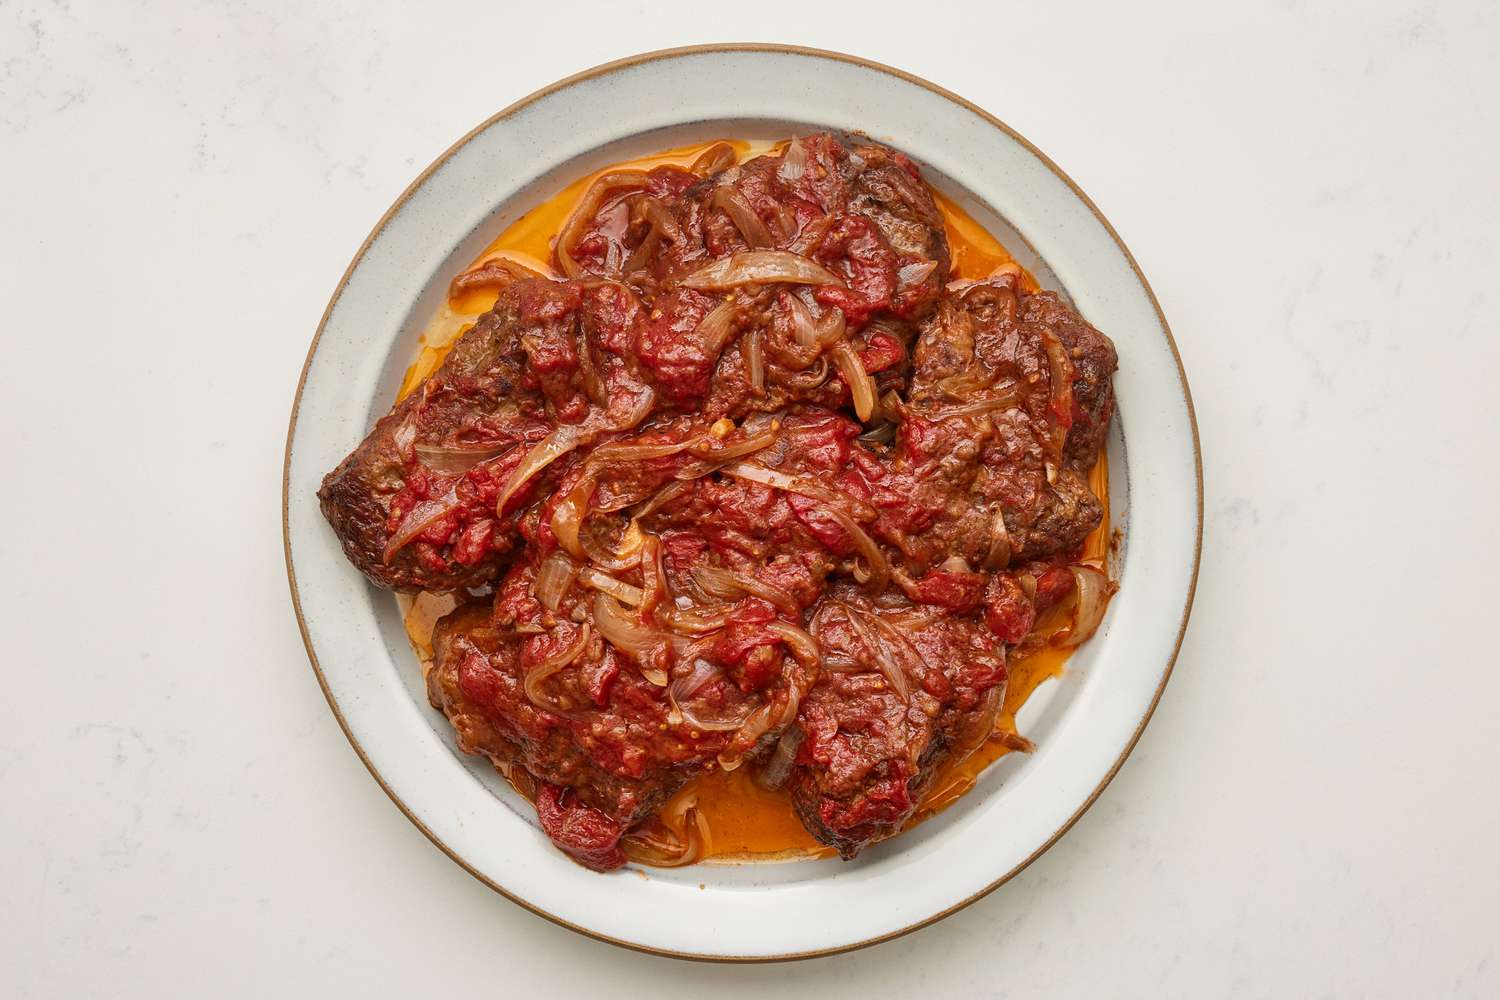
<point>808,380</point>
<point>898,640</point>
<point>751,472</point>
<point>553,578</point>
<point>456,461</point>
<point>779,767</point>
<point>756,726</point>
<point>716,158</point>
<point>406,435</point>
<point>539,674</point>
<point>755,358</point>
<point>612,561</point>
<point>665,495</point>
<point>891,406</point>
<point>876,571</point>
<point>718,327</point>
<point>753,443</point>
<point>999,554</point>
<point>1008,398</point>
<point>687,685</point>
<point>654,588</point>
<point>804,647</point>
<point>830,328</point>
<point>720,582</point>
<point>421,517</point>
<point>966,384</point>
<point>644,400</point>
<point>889,668</point>
<point>585,210</point>
<point>881,434</point>
<point>617,451</point>
<point>861,385</point>
<point>733,204</point>
<point>793,162</point>
<point>607,584</point>
<point>554,446</point>
<point>1093,598</point>
<point>630,637</point>
<point>911,275</point>
<point>804,330</point>
<point>696,621</point>
<point>663,226</point>
<point>760,267</point>
<point>567,517</point>
<point>643,846</point>
<point>1028,585</point>
<point>495,273</point>
<point>709,724</point>
<point>1061,381</point>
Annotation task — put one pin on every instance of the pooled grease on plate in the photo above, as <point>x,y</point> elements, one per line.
<point>746,821</point>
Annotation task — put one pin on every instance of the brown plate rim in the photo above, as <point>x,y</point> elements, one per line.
<point>637,60</point>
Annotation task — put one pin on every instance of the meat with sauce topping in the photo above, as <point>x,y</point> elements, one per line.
<point>904,687</point>
<point>755,485</point>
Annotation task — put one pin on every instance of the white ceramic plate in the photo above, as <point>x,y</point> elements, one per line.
<point>1084,725</point>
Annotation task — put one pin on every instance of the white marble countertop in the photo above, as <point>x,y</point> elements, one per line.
<point>1314,809</point>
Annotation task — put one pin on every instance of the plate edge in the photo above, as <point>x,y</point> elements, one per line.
<point>672,53</point>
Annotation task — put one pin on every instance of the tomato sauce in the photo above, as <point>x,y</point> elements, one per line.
<point>745,821</point>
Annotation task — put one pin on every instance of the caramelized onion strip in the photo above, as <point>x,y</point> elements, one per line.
<point>733,204</point>
<point>1061,381</point>
<point>538,675</point>
<point>553,578</point>
<point>861,385</point>
<point>421,517</point>
<point>720,582</point>
<point>632,638</point>
<point>779,767</point>
<point>583,213</point>
<point>894,675</point>
<point>455,460</point>
<point>751,472</point>
<point>755,360</point>
<point>759,267</point>
<point>645,846</point>
<point>715,159</point>
<point>568,517</point>
<point>607,584</point>
<point>554,446</point>
<point>875,573</point>
<point>1092,601</point>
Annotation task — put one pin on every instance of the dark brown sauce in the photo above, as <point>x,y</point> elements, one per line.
<point>744,820</point>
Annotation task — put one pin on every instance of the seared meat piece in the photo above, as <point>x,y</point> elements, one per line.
<point>1094,363</point>
<point>579,698</point>
<point>604,739</point>
<point>860,212</point>
<point>414,504</point>
<point>994,378</point>
<point>904,688</point>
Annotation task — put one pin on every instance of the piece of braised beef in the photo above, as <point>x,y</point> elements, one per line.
<point>415,504</point>
<point>904,688</point>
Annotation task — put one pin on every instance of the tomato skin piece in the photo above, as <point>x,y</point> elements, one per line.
<point>959,591</point>
<point>1008,612</point>
<point>585,834</point>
